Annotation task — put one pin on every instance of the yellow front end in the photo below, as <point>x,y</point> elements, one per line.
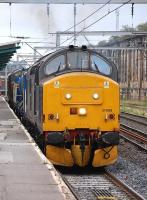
<point>81,107</point>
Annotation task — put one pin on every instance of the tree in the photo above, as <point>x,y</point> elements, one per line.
<point>142,27</point>
<point>102,43</point>
<point>114,39</point>
<point>127,28</point>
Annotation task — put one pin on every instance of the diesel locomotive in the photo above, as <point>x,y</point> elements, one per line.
<point>70,98</point>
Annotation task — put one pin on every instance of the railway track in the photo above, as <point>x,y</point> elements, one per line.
<point>135,118</point>
<point>98,185</point>
<point>134,136</point>
<point>134,129</point>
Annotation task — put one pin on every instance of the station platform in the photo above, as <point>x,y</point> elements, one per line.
<point>25,173</point>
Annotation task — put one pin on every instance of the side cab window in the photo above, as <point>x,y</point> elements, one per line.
<point>56,64</point>
<point>99,65</point>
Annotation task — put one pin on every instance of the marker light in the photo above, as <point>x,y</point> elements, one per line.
<point>51,116</point>
<point>68,96</point>
<point>95,96</point>
<point>82,111</point>
<point>111,116</point>
<point>73,111</point>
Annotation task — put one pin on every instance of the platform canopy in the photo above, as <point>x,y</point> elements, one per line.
<point>74,1</point>
<point>7,50</point>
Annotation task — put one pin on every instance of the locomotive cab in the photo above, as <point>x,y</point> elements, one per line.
<point>80,108</point>
<point>71,101</point>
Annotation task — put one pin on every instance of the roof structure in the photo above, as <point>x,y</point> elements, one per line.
<point>7,50</point>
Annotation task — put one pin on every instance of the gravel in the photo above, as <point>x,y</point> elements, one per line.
<point>131,167</point>
<point>85,184</point>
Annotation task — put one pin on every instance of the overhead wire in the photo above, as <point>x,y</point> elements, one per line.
<point>88,16</point>
<point>88,41</point>
<point>33,49</point>
<point>75,25</point>
<point>71,42</point>
<point>97,20</point>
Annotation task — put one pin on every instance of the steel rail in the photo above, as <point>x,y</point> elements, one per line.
<point>134,143</point>
<point>69,186</point>
<point>128,190</point>
<point>139,116</point>
<point>114,180</point>
<point>135,120</point>
<point>135,133</point>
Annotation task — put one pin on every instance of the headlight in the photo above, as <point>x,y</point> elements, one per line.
<point>68,96</point>
<point>95,96</point>
<point>82,111</point>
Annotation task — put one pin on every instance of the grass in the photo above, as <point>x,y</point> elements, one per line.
<point>134,107</point>
<point>135,102</point>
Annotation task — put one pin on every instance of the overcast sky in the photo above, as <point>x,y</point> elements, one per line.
<point>32,20</point>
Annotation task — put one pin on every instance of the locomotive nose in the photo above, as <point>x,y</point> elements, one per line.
<point>81,155</point>
<point>81,120</point>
